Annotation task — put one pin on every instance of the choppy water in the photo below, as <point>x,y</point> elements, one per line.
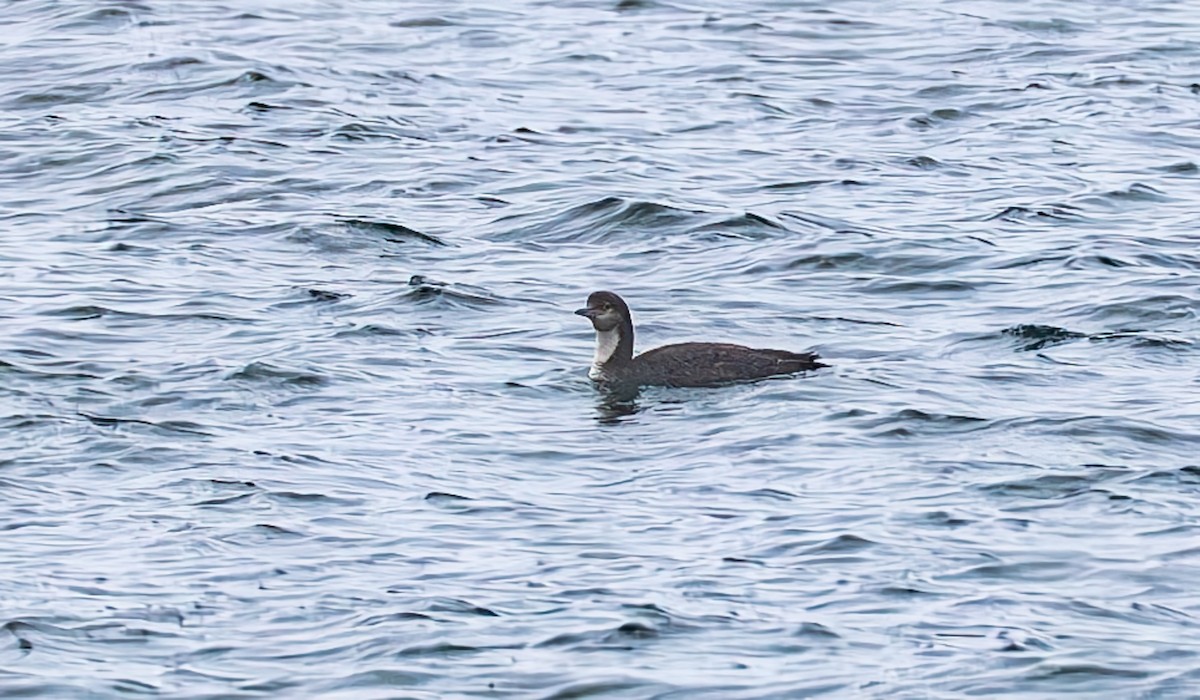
<point>293,403</point>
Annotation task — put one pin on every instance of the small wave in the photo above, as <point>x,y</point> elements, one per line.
<point>841,545</point>
<point>174,426</point>
<point>598,221</point>
<point>327,295</point>
<point>374,330</point>
<point>88,312</point>
<point>1078,675</point>
<point>170,63</point>
<point>820,222</point>
<point>421,23</point>
<point>423,290</point>
<point>60,95</point>
<point>910,422</point>
<point>1140,311</point>
<point>796,185</point>
<point>1022,213</point>
<point>919,288</point>
<point>1184,166</point>
<point>1054,27</point>
<point>262,372</point>
<point>390,231</point>
<point>1051,486</point>
<point>1122,197</point>
<point>620,637</point>
<point>1024,572</point>
<point>1033,336</point>
<point>924,162</point>
<point>1145,339</point>
<point>364,131</point>
<point>936,117</point>
<point>749,226</point>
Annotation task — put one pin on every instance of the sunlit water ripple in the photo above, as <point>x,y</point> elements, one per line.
<point>293,403</point>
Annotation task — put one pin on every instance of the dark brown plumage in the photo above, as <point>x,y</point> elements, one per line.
<point>680,364</point>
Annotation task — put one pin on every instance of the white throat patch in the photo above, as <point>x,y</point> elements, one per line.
<point>606,345</point>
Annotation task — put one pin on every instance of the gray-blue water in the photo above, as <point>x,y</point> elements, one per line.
<point>293,404</point>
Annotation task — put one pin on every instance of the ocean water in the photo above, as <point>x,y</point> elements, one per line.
<point>293,404</point>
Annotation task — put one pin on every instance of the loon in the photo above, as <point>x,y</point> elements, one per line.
<point>679,364</point>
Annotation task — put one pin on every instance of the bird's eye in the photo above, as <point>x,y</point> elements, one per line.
<point>608,307</point>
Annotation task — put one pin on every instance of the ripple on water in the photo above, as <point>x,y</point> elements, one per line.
<point>292,402</point>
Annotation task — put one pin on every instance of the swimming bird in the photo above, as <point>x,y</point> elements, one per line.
<point>680,364</point>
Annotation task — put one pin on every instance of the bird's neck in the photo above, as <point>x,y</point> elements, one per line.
<point>614,347</point>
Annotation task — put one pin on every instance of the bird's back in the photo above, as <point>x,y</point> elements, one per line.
<point>712,364</point>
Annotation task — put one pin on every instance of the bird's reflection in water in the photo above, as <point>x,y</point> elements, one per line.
<point>616,406</point>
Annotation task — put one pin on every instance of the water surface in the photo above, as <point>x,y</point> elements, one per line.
<point>293,404</point>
